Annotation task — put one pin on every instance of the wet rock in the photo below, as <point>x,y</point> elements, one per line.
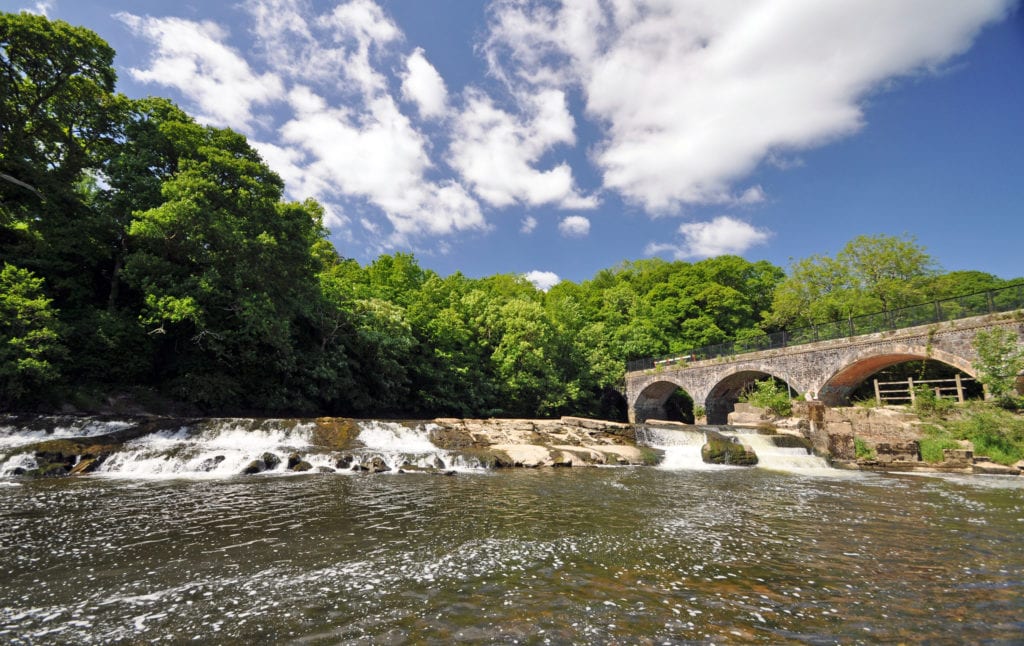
<point>294,459</point>
<point>378,465</point>
<point>270,460</point>
<point>210,464</point>
<point>335,433</point>
<point>325,470</point>
<point>344,462</point>
<point>722,450</point>
<point>302,465</point>
<point>87,465</point>
<point>256,466</point>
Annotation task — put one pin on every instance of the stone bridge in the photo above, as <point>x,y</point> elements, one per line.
<point>828,371</point>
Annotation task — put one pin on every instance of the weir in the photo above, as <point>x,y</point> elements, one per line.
<point>682,448</point>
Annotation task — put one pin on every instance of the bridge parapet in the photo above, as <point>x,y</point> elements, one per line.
<point>1005,299</point>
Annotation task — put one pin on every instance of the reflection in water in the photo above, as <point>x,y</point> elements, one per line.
<point>582,555</point>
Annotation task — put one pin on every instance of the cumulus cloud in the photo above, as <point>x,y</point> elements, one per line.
<point>323,106</point>
<point>496,151</point>
<point>574,226</point>
<point>542,280</point>
<point>192,58</point>
<point>422,85</point>
<point>695,95</point>
<point>722,235</point>
<point>528,225</point>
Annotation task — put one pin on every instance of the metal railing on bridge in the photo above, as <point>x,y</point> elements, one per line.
<point>1004,299</point>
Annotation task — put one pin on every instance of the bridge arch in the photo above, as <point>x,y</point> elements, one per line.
<point>651,402</point>
<point>721,399</point>
<point>836,389</point>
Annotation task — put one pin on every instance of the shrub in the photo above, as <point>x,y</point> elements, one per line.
<point>928,404</point>
<point>768,394</point>
<point>1000,360</point>
<point>863,450</point>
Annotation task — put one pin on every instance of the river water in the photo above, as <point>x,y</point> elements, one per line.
<point>582,555</point>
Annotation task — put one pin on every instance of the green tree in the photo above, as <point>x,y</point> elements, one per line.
<point>1000,362</point>
<point>870,274</point>
<point>225,271</point>
<point>30,345</point>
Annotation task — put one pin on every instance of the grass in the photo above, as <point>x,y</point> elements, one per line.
<point>995,432</point>
<point>863,450</point>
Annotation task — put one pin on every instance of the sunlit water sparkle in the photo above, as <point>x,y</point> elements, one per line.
<point>559,555</point>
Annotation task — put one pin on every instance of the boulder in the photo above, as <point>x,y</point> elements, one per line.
<point>302,465</point>
<point>209,464</point>
<point>270,460</point>
<point>719,449</point>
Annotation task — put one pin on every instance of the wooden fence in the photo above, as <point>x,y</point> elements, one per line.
<point>903,391</point>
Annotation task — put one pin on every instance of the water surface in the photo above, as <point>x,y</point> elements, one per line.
<point>606,555</point>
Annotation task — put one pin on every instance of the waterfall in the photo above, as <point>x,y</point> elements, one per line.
<point>771,456</point>
<point>212,448</point>
<point>13,433</point>
<point>401,446</point>
<point>219,448</point>
<point>681,446</point>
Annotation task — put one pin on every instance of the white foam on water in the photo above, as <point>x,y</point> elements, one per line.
<point>399,445</point>
<point>25,461</point>
<point>778,458</point>
<point>12,435</point>
<point>681,447</point>
<point>214,449</point>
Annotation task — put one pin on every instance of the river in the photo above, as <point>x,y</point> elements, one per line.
<point>580,555</point>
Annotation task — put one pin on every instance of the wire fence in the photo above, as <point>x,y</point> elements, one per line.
<point>1004,299</point>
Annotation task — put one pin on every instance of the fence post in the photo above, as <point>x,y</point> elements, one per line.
<point>910,385</point>
<point>991,302</point>
<point>878,394</point>
<point>938,312</point>
<point>850,319</point>
<point>959,389</point>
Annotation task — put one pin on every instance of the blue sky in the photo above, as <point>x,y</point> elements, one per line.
<point>556,139</point>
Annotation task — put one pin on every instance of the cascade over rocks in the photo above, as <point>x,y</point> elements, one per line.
<point>719,449</point>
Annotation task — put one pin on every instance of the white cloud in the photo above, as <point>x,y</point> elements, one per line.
<point>542,280</point>
<point>495,152</point>
<point>192,58</point>
<point>528,225</point>
<point>722,235</point>
<point>574,226</point>
<point>376,154</point>
<point>422,85</point>
<point>345,141</point>
<point>41,8</point>
<point>695,95</point>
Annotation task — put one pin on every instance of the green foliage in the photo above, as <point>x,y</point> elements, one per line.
<point>929,404</point>
<point>932,447</point>
<point>1000,361</point>
<point>30,345</point>
<point>870,274</point>
<point>770,395</point>
<point>863,450</point>
<point>994,432</point>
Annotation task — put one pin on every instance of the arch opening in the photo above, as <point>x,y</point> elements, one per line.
<point>664,400</point>
<point>895,382</point>
<point>723,397</point>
